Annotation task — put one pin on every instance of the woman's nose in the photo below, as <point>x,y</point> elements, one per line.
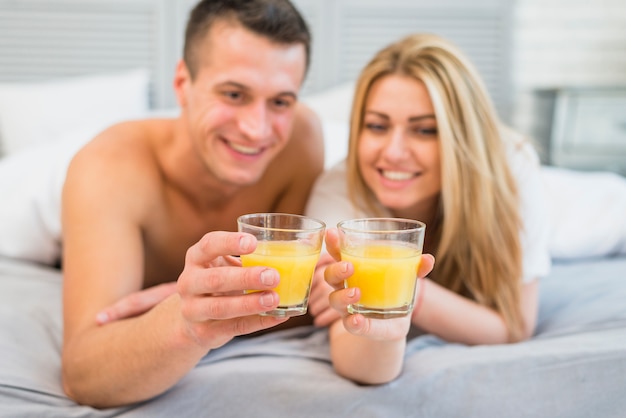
<point>395,147</point>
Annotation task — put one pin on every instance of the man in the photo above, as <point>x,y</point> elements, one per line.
<point>153,201</point>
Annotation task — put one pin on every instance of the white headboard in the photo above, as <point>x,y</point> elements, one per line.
<point>43,39</point>
<point>347,33</point>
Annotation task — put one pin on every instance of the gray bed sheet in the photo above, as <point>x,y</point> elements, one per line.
<point>575,365</point>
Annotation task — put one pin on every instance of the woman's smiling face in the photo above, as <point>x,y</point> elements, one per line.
<point>398,147</point>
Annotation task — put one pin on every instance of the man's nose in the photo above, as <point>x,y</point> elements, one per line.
<point>254,121</point>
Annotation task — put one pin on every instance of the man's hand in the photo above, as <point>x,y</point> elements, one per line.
<point>211,289</point>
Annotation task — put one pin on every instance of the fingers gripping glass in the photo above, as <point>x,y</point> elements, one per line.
<point>291,244</point>
<point>386,254</point>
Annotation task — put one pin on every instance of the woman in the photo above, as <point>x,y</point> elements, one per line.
<point>426,144</point>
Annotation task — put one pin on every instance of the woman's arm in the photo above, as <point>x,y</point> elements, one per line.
<point>369,351</point>
<point>455,318</point>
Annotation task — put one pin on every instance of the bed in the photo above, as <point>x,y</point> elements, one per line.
<point>574,366</point>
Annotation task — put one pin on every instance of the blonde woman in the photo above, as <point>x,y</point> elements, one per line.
<point>426,144</point>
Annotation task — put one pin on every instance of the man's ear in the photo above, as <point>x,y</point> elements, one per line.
<point>182,81</point>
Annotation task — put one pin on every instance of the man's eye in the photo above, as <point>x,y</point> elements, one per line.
<point>282,103</point>
<point>233,95</point>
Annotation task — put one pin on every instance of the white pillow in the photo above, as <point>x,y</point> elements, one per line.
<point>31,182</point>
<point>335,142</point>
<point>30,189</point>
<point>333,106</point>
<point>334,103</point>
<point>33,113</point>
<point>587,213</point>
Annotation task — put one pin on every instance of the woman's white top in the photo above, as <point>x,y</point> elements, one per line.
<point>329,202</point>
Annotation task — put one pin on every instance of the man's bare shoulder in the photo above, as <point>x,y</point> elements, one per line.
<point>306,144</point>
<point>121,160</point>
<point>307,128</point>
<point>132,140</point>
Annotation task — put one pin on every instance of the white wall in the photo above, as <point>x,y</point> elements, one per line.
<point>560,44</point>
<point>569,42</point>
<point>521,46</point>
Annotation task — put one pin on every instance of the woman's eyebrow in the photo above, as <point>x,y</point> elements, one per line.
<point>379,114</point>
<point>411,119</point>
<point>421,117</point>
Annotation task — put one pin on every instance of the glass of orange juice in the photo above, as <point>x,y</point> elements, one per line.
<point>386,254</point>
<point>291,244</point>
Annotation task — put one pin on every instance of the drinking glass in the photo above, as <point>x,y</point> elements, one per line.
<point>291,244</point>
<point>386,254</point>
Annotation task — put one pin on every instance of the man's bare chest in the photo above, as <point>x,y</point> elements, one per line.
<point>170,233</point>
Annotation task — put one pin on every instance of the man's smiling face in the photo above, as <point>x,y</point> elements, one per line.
<point>240,105</point>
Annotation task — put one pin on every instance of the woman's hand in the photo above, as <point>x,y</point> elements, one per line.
<point>136,303</point>
<point>319,306</point>
<point>335,275</point>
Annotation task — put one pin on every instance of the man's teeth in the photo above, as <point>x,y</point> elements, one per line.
<point>244,150</point>
<point>397,175</point>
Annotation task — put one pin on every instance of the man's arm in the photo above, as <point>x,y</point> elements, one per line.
<point>138,358</point>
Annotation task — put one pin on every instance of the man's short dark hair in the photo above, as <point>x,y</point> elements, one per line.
<point>277,20</point>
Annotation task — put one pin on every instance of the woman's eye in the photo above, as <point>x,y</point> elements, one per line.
<point>426,131</point>
<point>375,127</point>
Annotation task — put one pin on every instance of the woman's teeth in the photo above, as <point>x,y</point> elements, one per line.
<point>396,175</point>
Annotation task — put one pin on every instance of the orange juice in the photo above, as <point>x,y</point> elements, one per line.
<point>294,261</point>
<point>385,273</point>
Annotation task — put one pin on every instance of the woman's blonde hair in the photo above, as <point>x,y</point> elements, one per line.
<point>477,239</point>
